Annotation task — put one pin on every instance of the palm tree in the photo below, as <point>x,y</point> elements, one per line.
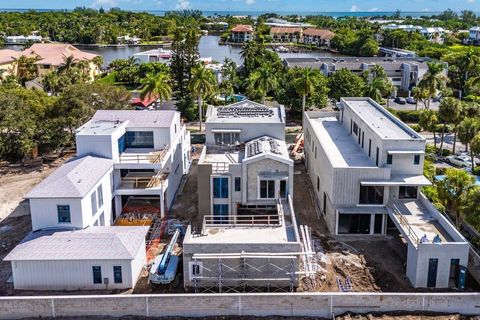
<point>449,112</point>
<point>98,61</point>
<point>132,61</point>
<point>26,68</point>
<point>420,94</point>
<point>428,121</point>
<point>157,85</point>
<point>475,148</point>
<point>467,62</point>
<point>305,84</point>
<point>202,84</point>
<point>434,80</point>
<point>69,62</point>
<point>51,83</point>
<point>262,81</point>
<point>467,130</point>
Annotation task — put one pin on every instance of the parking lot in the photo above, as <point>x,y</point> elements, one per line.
<point>404,107</point>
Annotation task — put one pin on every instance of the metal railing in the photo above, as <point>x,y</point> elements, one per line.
<point>404,223</point>
<point>220,167</point>
<point>242,220</point>
<point>156,157</point>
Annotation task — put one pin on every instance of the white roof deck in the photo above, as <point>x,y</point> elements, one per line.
<point>137,118</point>
<point>222,155</point>
<point>380,120</point>
<point>105,128</point>
<point>242,235</point>
<point>340,147</point>
<point>245,112</point>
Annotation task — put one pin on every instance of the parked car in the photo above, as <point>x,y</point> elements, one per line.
<point>437,99</point>
<point>411,100</point>
<point>466,155</point>
<point>459,161</point>
<point>400,100</point>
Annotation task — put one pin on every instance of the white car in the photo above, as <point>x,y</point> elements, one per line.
<point>466,155</point>
<point>459,161</point>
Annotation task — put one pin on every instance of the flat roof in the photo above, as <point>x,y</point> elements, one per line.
<point>380,120</point>
<point>100,128</point>
<point>138,118</point>
<point>92,243</point>
<point>353,61</point>
<point>243,235</point>
<point>246,112</point>
<point>340,147</point>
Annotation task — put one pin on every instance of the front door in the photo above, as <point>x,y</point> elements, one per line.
<point>432,273</point>
<point>220,212</point>
<point>454,271</point>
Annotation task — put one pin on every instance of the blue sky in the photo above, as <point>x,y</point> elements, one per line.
<point>253,5</point>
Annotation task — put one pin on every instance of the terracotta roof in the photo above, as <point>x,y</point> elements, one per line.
<point>147,101</point>
<point>7,55</point>
<point>285,30</point>
<point>55,53</point>
<point>323,33</point>
<point>242,28</point>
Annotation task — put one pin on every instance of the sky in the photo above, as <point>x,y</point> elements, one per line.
<point>253,5</point>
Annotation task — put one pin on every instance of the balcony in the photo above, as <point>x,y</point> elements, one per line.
<point>143,156</point>
<point>144,180</point>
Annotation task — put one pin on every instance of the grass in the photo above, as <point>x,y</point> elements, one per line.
<point>108,79</point>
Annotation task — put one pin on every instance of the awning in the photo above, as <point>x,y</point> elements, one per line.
<point>406,152</point>
<point>226,130</point>
<point>420,180</point>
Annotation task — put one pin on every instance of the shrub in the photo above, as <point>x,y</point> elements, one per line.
<point>416,127</point>
<point>476,171</point>
<point>440,171</point>
<point>409,115</point>
<point>446,152</point>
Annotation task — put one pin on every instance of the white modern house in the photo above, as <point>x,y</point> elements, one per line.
<point>128,162</point>
<point>473,35</point>
<point>245,185</point>
<point>96,258</point>
<point>154,55</point>
<point>366,167</point>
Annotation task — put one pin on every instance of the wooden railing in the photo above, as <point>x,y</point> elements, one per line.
<point>242,220</point>
<point>143,182</point>
<point>156,157</point>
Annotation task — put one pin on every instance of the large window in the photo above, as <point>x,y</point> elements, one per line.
<point>122,144</point>
<point>93,200</point>
<point>408,192</point>
<point>117,274</point>
<point>238,184</point>
<point>100,196</point>
<point>226,138</point>
<point>63,212</point>
<point>220,188</point>
<point>97,274</point>
<point>139,139</point>
<point>220,212</point>
<point>283,189</point>
<point>371,195</point>
<point>354,223</point>
<point>267,189</point>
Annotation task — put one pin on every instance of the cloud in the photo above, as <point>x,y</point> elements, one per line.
<point>104,3</point>
<point>354,8</point>
<point>373,10</point>
<point>249,2</point>
<point>471,1</point>
<point>183,4</point>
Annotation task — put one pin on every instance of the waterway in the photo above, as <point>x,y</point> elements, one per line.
<point>208,47</point>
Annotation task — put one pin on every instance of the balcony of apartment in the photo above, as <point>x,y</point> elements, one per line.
<point>221,158</point>
<point>143,183</point>
<point>147,157</point>
<point>422,224</point>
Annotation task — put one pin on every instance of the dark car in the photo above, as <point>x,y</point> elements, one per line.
<point>400,100</point>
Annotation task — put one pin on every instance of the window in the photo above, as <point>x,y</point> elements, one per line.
<point>376,159</point>
<point>371,195</point>
<point>63,212</point>
<point>315,152</point>
<point>117,274</point>
<point>267,189</point>
<point>363,139</point>
<point>220,188</point>
<point>220,212</point>
<point>354,223</point>
<point>97,274</point>
<point>195,269</point>
<point>389,159</point>
<point>416,159</point>
<point>369,147</point>
<point>407,192</point>
<point>122,144</point>
<point>175,128</point>
<point>359,135</point>
<point>318,183</point>
<point>222,138</point>
<point>238,184</point>
<point>100,196</point>
<point>355,128</point>
<point>283,189</point>
<point>101,219</point>
<point>93,199</point>
<point>139,139</point>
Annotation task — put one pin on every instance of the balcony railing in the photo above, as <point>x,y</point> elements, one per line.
<point>220,167</point>
<point>242,221</point>
<point>153,157</point>
<point>404,223</point>
<point>143,182</point>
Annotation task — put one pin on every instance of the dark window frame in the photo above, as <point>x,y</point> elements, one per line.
<point>117,274</point>
<point>64,209</point>
<point>97,274</point>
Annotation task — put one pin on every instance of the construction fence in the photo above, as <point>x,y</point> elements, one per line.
<point>323,305</point>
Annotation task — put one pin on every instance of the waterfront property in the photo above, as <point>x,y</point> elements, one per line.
<point>155,55</point>
<point>8,62</point>
<point>405,73</point>
<point>92,258</point>
<point>432,34</point>
<point>50,56</point>
<point>318,37</point>
<point>23,39</point>
<point>281,23</point>
<point>286,34</point>
<point>249,236</point>
<point>366,167</point>
<point>397,53</point>
<point>241,33</point>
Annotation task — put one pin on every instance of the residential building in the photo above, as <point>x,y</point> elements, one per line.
<point>245,185</point>
<point>23,39</point>
<point>128,40</point>
<point>281,23</point>
<point>366,168</point>
<point>397,53</point>
<point>318,37</point>
<point>50,56</point>
<point>96,258</point>
<point>8,62</point>
<point>155,55</point>
<point>405,73</point>
<point>473,35</point>
<point>432,34</point>
<point>286,34</point>
<point>241,33</point>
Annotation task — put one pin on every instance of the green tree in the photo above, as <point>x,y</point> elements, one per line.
<point>344,83</point>
<point>449,111</point>
<point>428,121</point>
<point>420,94</point>
<point>433,80</point>
<point>51,83</point>
<point>369,48</point>
<point>378,85</point>
<point>184,58</point>
<point>202,84</point>
<point>305,84</point>
<point>262,81</point>
<point>156,85</point>
<point>26,68</point>
<point>467,130</point>
<point>475,148</point>
<point>472,209</point>
<point>454,190</point>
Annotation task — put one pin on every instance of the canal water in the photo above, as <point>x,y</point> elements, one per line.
<point>208,47</point>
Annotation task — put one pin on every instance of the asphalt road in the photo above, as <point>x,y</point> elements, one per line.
<point>401,107</point>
